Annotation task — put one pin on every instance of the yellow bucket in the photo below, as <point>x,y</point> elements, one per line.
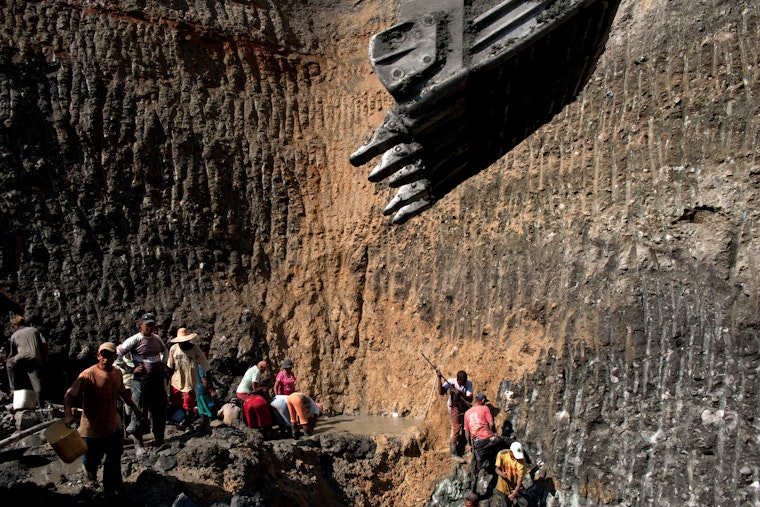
<point>66,442</point>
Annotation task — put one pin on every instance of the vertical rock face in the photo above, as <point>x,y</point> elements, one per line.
<point>599,282</point>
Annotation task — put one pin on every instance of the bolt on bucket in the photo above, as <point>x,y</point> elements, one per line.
<point>66,442</point>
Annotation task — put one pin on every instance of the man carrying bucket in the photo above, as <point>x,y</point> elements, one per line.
<point>96,390</point>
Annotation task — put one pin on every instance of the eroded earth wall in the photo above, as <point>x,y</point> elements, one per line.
<point>600,282</point>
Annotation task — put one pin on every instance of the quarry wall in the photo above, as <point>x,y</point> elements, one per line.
<point>599,282</point>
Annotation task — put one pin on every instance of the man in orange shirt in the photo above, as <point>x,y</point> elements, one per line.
<point>97,389</point>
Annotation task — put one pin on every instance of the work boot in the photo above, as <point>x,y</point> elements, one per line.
<point>204,426</point>
<point>89,479</point>
<point>187,420</point>
<point>296,431</point>
<point>139,448</point>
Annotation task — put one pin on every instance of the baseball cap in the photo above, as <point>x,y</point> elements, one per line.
<point>109,346</point>
<point>148,318</point>
<point>517,450</point>
<point>481,396</point>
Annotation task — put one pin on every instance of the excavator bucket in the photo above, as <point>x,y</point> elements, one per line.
<point>471,80</point>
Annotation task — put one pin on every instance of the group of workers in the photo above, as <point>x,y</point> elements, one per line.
<point>136,372</point>
<point>287,408</point>
<point>472,424</point>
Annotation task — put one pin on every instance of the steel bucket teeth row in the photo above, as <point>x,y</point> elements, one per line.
<point>470,83</point>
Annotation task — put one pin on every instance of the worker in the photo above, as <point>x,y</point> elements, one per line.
<point>27,354</point>
<point>480,432</point>
<point>510,467</point>
<point>459,390</point>
<point>150,355</point>
<point>96,389</point>
<point>303,413</point>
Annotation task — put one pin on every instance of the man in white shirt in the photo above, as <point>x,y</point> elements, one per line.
<point>459,390</point>
<point>150,354</point>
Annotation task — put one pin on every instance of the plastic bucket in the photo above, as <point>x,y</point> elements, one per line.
<point>66,442</point>
<point>24,399</point>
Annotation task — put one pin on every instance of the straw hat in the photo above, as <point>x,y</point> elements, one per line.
<point>183,335</point>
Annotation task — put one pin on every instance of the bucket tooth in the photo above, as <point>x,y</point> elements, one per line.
<point>407,174</point>
<point>390,133</point>
<point>394,159</point>
<point>411,210</point>
<point>417,191</point>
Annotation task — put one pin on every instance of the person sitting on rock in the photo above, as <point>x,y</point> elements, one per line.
<point>230,413</point>
<point>303,412</point>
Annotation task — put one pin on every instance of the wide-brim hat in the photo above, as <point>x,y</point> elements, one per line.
<point>183,335</point>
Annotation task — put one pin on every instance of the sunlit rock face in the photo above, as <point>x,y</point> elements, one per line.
<point>600,281</point>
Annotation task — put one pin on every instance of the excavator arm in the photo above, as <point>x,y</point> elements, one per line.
<point>471,80</point>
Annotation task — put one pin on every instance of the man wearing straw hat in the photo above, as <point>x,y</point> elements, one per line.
<point>184,358</point>
<point>97,389</point>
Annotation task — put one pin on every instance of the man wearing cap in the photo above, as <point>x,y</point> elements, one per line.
<point>510,467</point>
<point>97,389</point>
<point>460,398</point>
<point>184,358</point>
<point>26,355</point>
<point>150,355</point>
<point>480,431</point>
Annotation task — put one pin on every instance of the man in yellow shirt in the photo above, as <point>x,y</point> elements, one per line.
<point>510,467</point>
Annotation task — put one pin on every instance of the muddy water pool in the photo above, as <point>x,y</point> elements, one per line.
<point>366,424</point>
